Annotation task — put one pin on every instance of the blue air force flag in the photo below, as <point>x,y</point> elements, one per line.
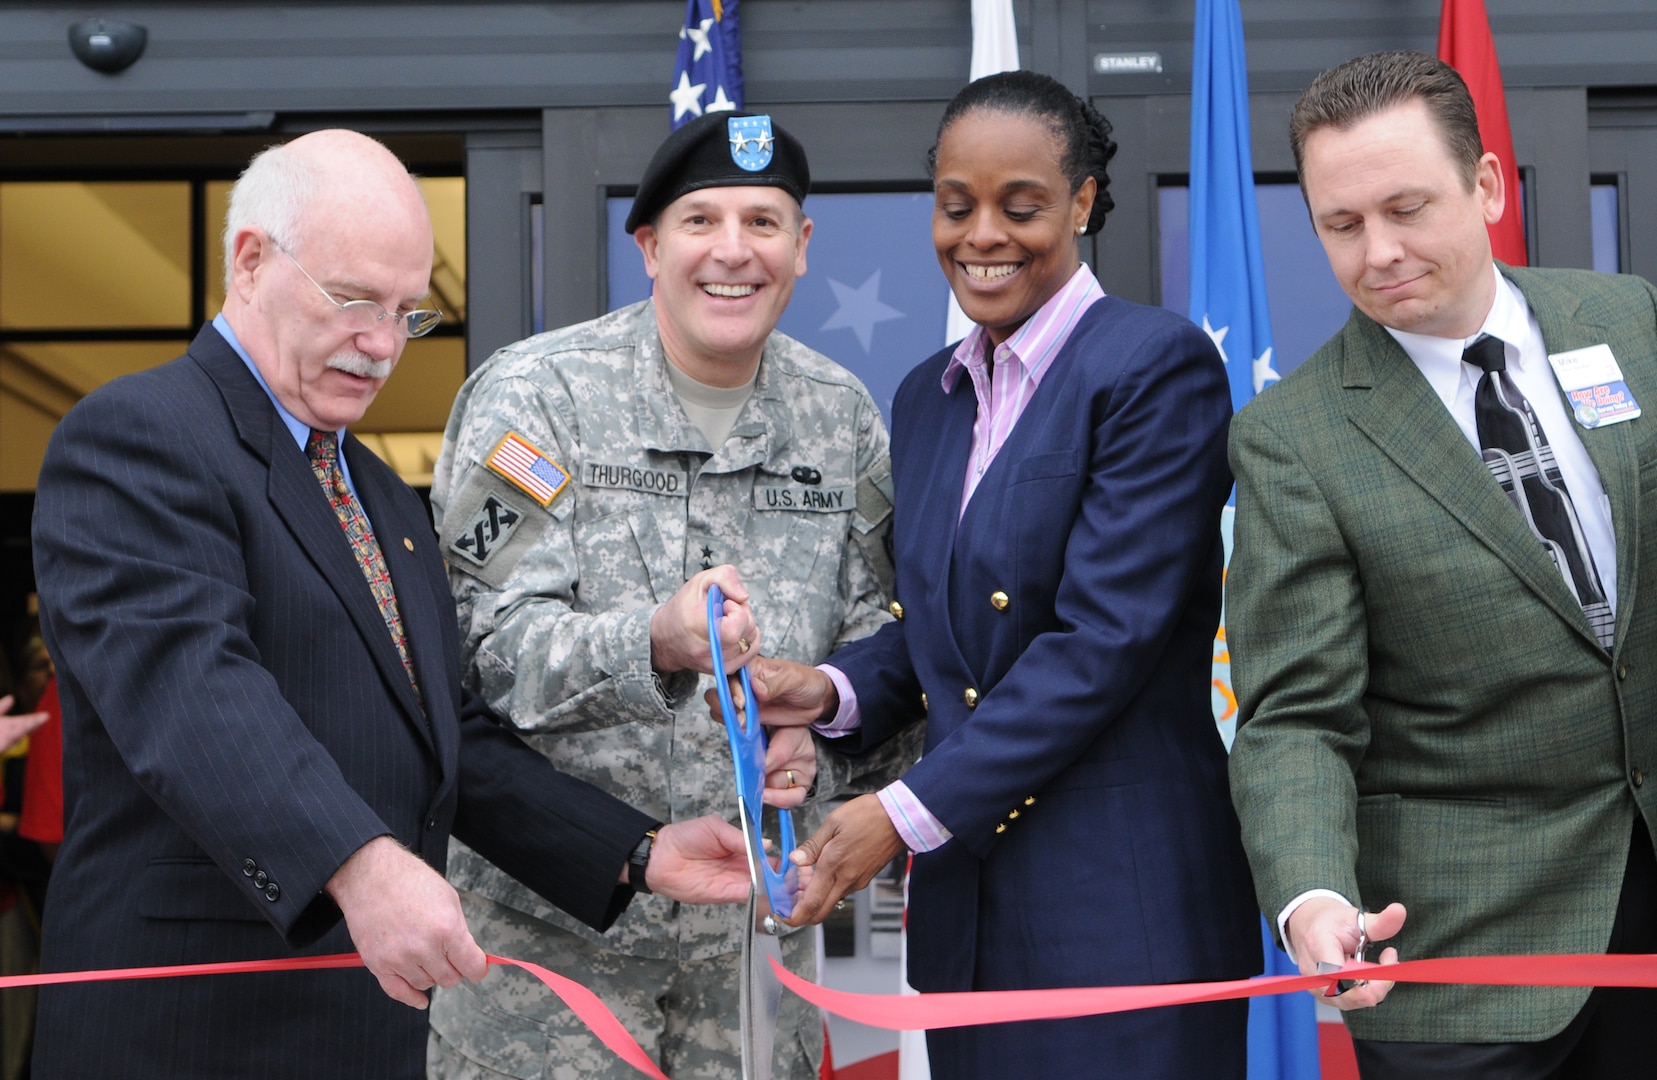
<point>1228,298</point>
<point>1228,278</point>
<point>708,75</point>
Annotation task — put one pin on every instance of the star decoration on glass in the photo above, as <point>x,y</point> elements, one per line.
<point>687,96</point>
<point>860,309</point>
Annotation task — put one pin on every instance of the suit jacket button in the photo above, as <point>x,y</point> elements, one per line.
<point>1013,815</point>
<point>924,705</point>
<point>971,698</point>
<point>273,892</point>
<point>1029,800</point>
<point>432,824</point>
<point>1001,828</point>
<point>896,609</point>
<point>260,878</point>
<point>1622,672</point>
<point>249,866</point>
<point>999,601</point>
<point>1638,778</point>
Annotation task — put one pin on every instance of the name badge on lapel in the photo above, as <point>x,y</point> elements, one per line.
<point>1593,382</point>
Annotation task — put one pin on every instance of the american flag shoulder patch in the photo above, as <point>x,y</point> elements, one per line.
<point>519,462</point>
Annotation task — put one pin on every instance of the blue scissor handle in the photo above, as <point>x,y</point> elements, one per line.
<point>748,759</point>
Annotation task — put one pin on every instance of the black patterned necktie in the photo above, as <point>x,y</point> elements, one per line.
<point>1516,450</point>
<point>322,448</point>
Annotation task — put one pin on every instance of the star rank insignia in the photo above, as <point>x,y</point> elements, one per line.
<point>752,142</point>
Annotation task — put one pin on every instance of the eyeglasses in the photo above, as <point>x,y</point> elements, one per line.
<point>365,316</point>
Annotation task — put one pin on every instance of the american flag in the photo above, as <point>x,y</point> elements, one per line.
<point>708,75</point>
<point>519,461</point>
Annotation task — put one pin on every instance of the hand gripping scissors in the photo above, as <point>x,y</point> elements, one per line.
<point>772,892</point>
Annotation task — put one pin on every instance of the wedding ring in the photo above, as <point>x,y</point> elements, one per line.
<point>790,777</point>
<point>742,643</point>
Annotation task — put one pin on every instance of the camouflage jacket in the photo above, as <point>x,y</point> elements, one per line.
<point>555,600</point>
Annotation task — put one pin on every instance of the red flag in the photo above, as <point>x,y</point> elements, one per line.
<point>1464,42</point>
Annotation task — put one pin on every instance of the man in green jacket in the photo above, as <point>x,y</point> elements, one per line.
<point>1445,666</point>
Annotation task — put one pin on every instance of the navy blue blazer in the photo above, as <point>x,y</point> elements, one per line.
<point>236,723</point>
<point>1059,642</point>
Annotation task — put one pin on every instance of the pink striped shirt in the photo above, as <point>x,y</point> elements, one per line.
<point>1020,363</point>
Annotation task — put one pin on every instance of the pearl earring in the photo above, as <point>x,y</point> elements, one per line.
<point>1081,230</point>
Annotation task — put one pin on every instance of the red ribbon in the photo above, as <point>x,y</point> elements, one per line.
<point>581,1001</point>
<point>914,1012</point>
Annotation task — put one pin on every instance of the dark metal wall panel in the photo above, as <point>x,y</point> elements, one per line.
<point>1541,42</point>
<point>1550,138</point>
<point>1622,142</point>
<point>503,174</point>
<point>417,57</point>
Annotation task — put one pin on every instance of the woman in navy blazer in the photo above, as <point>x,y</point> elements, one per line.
<point>1059,478</point>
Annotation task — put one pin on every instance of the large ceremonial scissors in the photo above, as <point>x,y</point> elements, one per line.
<point>772,892</point>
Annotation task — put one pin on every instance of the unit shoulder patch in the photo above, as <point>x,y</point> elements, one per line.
<point>487,531</point>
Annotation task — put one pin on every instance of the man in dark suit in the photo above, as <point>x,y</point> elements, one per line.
<point>266,741</point>
<point>1439,637</point>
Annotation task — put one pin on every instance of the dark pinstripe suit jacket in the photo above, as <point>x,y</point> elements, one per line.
<point>237,723</point>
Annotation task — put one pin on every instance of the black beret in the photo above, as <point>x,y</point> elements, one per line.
<point>721,149</point>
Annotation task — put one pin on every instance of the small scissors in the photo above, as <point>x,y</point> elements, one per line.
<point>1325,968</point>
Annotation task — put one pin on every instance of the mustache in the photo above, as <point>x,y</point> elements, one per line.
<point>355,363</point>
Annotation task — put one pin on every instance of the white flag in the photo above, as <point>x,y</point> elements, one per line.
<point>994,50</point>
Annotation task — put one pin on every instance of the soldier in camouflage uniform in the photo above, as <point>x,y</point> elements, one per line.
<point>584,500</point>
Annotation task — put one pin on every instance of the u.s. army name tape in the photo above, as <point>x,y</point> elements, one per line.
<point>914,1012</point>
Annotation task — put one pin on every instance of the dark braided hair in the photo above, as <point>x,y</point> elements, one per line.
<point>1083,134</point>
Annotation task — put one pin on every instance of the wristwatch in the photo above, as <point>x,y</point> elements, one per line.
<point>638,860</point>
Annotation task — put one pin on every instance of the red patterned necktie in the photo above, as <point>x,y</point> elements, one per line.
<point>323,450</point>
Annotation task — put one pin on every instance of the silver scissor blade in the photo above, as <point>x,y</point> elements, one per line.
<point>761,993</point>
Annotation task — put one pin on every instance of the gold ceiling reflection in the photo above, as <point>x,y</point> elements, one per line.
<point>101,279</point>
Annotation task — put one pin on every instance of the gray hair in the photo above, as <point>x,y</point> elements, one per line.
<point>271,194</point>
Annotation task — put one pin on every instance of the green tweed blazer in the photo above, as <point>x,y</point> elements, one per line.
<point>1426,716</point>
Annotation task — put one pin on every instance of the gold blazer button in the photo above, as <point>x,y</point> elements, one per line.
<point>924,704</point>
<point>896,609</point>
<point>999,600</point>
<point>971,698</point>
<point>407,543</point>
